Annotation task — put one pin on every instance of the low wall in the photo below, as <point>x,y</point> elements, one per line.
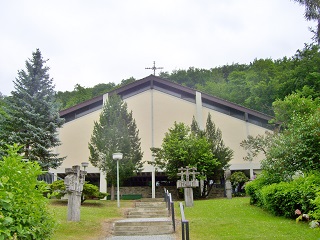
<point>146,192</point>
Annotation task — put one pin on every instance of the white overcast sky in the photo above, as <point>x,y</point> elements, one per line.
<point>101,41</point>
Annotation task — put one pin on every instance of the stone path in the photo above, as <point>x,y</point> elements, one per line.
<point>149,220</point>
<point>150,237</point>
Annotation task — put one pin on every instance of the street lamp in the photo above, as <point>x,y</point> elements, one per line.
<point>117,156</point>
<point>84,165</point>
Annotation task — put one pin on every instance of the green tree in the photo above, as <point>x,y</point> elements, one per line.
<point>256,145</point>
<point>116,131</point>
<point>238,179</point>
<point>180,148</point>
<point>300,103</point>
<point>23,208</point>
<point>31,115</point>
<point>127,81</point>
<point>2,103</point>
<point>303,69</point>
<point>78,95</point>
<point>222,153</point>
<point>297,147</point>
<point>238,87</point>
<point>102,88</point>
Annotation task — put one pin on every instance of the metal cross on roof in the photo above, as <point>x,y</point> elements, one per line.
<point>154,68</point>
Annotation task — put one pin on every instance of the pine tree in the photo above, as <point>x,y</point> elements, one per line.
<point>31,116</point>
<point>116,131</point>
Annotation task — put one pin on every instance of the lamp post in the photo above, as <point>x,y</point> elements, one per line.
<point>117,156</point>
<point>84,165</point>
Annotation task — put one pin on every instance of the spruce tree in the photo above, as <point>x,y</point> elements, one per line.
<point>116,131</point>
<point>31,116</point>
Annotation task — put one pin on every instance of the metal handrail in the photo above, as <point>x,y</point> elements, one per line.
<point>170,206</point>
<point>184,224</point>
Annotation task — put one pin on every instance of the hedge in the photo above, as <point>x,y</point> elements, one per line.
<point>284,198</point>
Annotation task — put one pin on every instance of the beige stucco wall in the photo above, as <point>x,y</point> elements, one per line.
<point>233,132</point>
<point>169,109</point>
<point>140,105</point>
<point>76,134</point>
<point>166,109</point>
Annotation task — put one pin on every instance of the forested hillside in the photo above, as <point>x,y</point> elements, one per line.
<point>256,85</point>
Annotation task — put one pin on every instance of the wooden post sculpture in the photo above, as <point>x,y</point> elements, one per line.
<point>188,184</point>
<point>74,185</point>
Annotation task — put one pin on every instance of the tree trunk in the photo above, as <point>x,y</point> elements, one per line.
<point>112,192</point>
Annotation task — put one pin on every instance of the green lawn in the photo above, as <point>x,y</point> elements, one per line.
<point>237,219</point>
<point>94,217</point>
<point>220,219</point>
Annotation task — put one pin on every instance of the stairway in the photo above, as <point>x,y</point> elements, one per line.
<point>149,217</point>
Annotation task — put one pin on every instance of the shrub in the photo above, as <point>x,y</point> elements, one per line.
<point>237,180</point>
<point>307,187</point>
<point>253,187</point>
<point>23,208</point>
<point>285,197</point>
<point>57,189</point>
<point>280,199</point>
<point>90,191</point>
<point>315,214</point>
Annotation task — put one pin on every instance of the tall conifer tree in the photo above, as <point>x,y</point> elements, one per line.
<point>116,131</point>
<point>31,115</point>
<point>214,136</point>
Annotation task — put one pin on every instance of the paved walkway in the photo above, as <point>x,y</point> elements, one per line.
<point>149,237</point>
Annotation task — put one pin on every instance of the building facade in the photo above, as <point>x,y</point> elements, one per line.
<point>156,104</point>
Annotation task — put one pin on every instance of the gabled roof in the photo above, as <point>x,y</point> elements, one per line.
<point>186,93</point>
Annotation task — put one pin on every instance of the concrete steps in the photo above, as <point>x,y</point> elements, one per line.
<point>149,217</point>
<point>154,205</point>
<point>143,227</point>
<point>147,213</point>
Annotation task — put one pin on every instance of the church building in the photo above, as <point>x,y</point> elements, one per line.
<point>156,104</point>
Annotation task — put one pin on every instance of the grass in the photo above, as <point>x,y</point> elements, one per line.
<point>236,219</point>
<point>220,219</point>
<point>95,215</point>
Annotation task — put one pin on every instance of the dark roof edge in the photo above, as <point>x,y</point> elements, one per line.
<point>99,98</point>
<point>153,79</point>
<point>81,105</point>
<point>236,106</point>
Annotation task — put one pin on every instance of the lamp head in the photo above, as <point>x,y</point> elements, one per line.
<point>117,156</point>
<point>84,164</point>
